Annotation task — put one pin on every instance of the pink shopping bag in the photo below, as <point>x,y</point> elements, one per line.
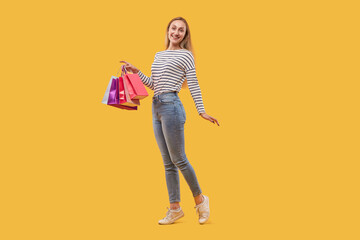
<point>136,87</point>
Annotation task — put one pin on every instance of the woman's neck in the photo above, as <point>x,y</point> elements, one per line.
<point>174,48</point>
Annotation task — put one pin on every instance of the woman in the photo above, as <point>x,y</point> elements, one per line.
<point>169,70</point>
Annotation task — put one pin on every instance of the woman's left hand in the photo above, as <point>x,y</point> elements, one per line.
<point>210,118</point>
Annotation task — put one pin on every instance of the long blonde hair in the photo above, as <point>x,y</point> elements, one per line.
<point>184,44</point>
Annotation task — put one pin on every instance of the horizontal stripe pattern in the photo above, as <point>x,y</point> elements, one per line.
<point>168,72</point>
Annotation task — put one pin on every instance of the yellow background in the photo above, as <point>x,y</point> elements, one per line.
<point>282,78</point>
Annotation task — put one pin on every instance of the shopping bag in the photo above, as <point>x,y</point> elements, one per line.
<point>114,91</point>
<point>135,86</point>
<point>111,96</point>
<point>126,100</point>
<point>106,95</point>
<point>124,95</point>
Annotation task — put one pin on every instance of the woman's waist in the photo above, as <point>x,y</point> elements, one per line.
<point>166,96</point>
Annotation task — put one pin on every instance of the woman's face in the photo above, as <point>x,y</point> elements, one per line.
<point>176,32</point>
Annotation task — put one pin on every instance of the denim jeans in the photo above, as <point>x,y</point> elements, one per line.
<point>168,122</point>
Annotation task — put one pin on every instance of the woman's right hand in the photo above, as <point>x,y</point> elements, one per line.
<point>130,67</point>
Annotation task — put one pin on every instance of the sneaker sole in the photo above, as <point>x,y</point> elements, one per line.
<point>177,218</point>
<point>205,220</point>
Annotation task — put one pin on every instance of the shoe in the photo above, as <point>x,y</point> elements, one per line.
<point>203,210</point>
<point>172,216</point>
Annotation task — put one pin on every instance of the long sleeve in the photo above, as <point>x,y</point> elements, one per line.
<point>148,81</point>
<point>190,74</point>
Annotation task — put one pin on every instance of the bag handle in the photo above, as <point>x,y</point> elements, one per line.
<point>123,70</point>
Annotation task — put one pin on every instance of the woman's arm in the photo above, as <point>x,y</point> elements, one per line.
<point>190,74</point>
<point>148,81</point>
<point>194,88</point>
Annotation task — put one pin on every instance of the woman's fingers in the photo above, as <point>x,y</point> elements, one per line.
<point>213,120</point>
<point>126,64</point>
<point>210,118</point>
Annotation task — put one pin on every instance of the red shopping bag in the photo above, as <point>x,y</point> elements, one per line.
<point>124,96</point>
<point>135,86</point>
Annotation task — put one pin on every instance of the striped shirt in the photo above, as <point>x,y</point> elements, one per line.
<point>168,72</point>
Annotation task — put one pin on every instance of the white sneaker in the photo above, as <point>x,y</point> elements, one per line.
<point>203,210</point>
<point>172,216</point>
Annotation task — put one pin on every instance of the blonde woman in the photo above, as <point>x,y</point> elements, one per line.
<point>169,70</point>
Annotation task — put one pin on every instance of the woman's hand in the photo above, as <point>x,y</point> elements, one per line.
<point>210,118</point>
<point>130,67</point>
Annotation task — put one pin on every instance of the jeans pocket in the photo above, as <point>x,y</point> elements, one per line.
<point>182,111</point>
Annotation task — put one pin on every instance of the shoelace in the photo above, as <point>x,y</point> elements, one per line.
<point>168,213</point>
<point>203,214</point>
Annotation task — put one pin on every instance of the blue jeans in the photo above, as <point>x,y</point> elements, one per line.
<point>168,121</point>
